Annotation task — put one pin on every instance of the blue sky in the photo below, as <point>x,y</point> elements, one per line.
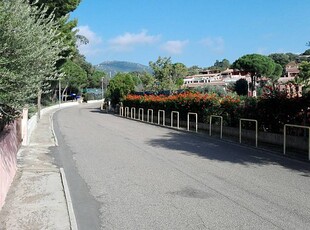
<point>193,32</point>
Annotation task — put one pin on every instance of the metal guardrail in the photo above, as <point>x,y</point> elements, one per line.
<point>256,129</point>
<point>221,120</point>
<point>295,126</point>
<point>158,116</point>
<point>178,118</point>
<point>196,116</point>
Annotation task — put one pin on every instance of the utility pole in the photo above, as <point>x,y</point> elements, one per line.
<point>59,92</point>
<point>102,87</point>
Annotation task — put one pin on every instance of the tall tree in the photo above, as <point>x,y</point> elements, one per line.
<point>280,58</point>
<point>304,75</point>
<point>221,65</point>
<point>61,10</point>
<point>75,77</point>
<point>257,65</point>
<point>121,85</point>
<point>97,78</point>
<point>179,71</point>
<point>144,81</point>
<point>30,46</point>
<point>163,71</point>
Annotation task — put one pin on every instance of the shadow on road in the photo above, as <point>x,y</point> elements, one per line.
<point>215,149</point>
<point>212,149</point>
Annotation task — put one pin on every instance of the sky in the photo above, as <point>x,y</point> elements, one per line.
<point>193,32</point>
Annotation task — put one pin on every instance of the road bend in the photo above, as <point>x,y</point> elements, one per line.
<point>125,174</point>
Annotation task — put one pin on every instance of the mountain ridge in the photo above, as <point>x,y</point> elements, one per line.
<point>115,67</point>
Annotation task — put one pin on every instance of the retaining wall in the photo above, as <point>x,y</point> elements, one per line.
<point>10,139</point>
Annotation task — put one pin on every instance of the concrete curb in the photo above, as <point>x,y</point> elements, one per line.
<point>52,128</point>
<point>72,218</point>
<point>32,122</point>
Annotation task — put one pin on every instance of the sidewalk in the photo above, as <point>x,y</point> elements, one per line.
<point>37,197</point>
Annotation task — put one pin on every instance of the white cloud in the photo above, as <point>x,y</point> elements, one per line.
<point>174,47</point>
<point>92,48</point>
<point>89,34</point>
<point>129,40</point>
<point>215,44</point>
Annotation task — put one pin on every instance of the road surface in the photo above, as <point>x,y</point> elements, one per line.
<point>125,174</point>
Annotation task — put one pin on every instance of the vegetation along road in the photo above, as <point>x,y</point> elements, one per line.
<point>125,174</point>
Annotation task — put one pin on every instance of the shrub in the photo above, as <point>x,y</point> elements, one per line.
<point>272,111</point>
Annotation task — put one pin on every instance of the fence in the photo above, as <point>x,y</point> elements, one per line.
<point>296,126</point>
<point>161,115</point>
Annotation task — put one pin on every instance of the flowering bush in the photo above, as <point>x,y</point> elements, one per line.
<point>271,111</point>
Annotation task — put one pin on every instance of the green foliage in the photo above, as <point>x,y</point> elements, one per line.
<point>220,65</point>
<point>8,115</point>
<point>307,52</point>
<point>147,81</point>
<point>120,86</point>
<point>95,80</point>
<point>272,111</point>
<point>59,7</point>
<point>193,70</point>
<point>241,87</point>
<point>75,76</point>
<point>30,46</point>
<point>143,81</point>
<point>220,91</point>
<point>114,67</point>
<point>256,64</point>
<point>278,70</point>
<point>163,71</point>
<point>168,76</point>
<point>304,74</point>
<point>179,71</point>
<point>281,58</point>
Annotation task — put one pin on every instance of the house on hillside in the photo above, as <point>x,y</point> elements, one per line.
<point>214,78</point>
<point>285,82</point>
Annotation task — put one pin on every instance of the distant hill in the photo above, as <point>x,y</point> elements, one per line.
<point>122,66</point>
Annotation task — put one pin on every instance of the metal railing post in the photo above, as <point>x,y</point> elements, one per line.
<point>296,126</point>
<point>141,110</point>
<point>148,115</point>
<point>178,118</point>
<point>158,116</point>
<point>210,129</point>
<point>196,116</point>
<point>256,129</point>
<point>133,113</point>
<point>126,111</point>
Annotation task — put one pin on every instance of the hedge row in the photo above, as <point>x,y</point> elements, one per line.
<point>7,115</point>
<point>272,111</point>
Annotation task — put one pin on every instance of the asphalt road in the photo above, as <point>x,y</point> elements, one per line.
<point>125,174</point>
